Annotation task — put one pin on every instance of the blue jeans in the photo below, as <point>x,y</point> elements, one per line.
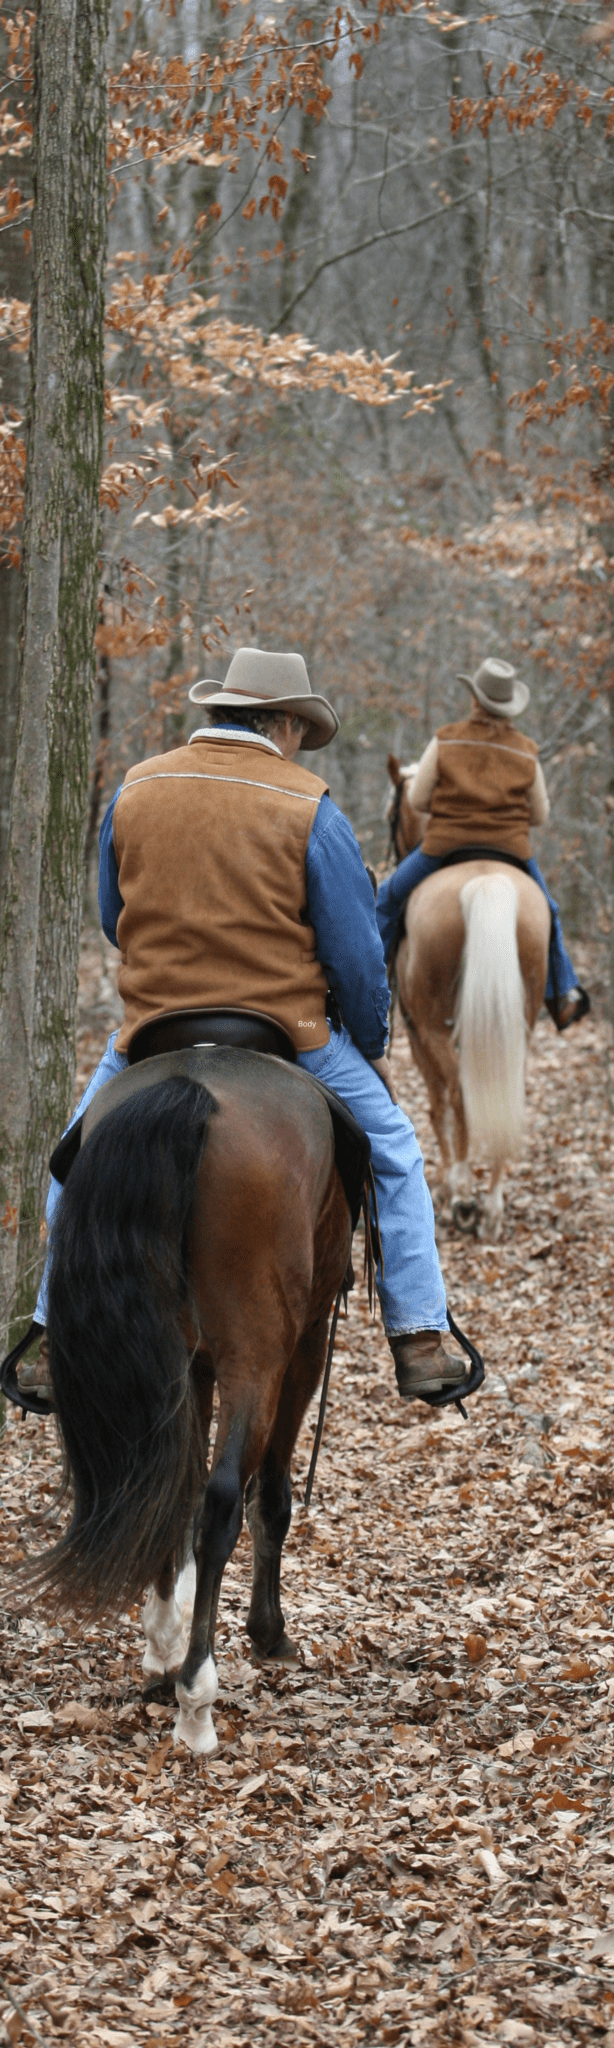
<point>392,897</point>
<point>412,1292</point>
<point>112,1062</point>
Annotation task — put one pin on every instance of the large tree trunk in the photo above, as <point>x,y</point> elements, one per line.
<point>38,965</point>
<point>14,284</point>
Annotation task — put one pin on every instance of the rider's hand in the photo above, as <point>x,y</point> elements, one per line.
<point>384,1069</point>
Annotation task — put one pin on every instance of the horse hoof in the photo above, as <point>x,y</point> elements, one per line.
<point>197,1731</point>
<point>465,1213</point>
<point>490,1229</point>
<point>194,1725</point>
<point>285,1652</point>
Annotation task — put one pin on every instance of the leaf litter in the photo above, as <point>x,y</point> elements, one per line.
<point>409,1837</point>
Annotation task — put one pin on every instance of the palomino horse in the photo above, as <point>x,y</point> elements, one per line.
<point>471,972</point>
<point>202,1236</point>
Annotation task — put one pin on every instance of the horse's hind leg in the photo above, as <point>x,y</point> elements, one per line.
<point>268,1500</point>
<point>165,1638</point>
<point>441,1069</point>
<point>164,1620</point>
<point>218,1525</point>
<point>249,1395</point>
<point>492,1219</point>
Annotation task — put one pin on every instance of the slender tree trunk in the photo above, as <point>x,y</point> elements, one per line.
<point>72,680</point>
<point>299,204</point>
<point>98,771</point>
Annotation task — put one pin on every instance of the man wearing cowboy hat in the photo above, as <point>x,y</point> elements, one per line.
<point>480,784</point>
<point>228,877</point>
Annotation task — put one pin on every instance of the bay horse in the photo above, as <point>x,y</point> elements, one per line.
<point>201,1239</point>
<point>471,971</point>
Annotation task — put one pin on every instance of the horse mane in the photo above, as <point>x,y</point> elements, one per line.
<point>393,807</point>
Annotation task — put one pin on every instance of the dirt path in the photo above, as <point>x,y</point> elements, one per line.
<point>412,1838</point>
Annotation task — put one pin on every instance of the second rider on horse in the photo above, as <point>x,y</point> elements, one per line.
<point>480,787</point>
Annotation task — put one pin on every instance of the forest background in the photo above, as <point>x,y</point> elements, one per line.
<point>358,347</point>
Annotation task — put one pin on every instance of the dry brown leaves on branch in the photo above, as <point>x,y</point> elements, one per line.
<point>202,112</point>
<point>12,481</point>
<point>186,337</point>
<point>197,356</point>
<point>410,1839</point>
<point>582,361</point>
<point>530,96</point>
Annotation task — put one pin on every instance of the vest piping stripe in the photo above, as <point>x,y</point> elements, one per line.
<point>495,744</point>
<point>244,781</point>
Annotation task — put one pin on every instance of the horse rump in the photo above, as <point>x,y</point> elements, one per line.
<point>490,1025</point>
<point>119,1316</point>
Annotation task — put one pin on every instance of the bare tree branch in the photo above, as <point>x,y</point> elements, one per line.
<point>407,227</point>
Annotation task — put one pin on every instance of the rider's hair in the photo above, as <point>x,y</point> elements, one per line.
<point>259,720</point>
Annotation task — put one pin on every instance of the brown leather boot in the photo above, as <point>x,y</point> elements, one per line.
<point>570,1009</point>
<point>422,1365</point>
<point>33,1375</point>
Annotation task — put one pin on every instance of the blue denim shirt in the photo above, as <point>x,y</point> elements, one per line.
<point>341,910</point>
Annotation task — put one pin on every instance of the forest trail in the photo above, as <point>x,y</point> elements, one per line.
<point>412,1837</point>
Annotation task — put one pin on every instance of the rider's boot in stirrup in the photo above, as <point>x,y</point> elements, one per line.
<point>422,1365</point>
<point>569,1009</point>
<point>33,1375</point>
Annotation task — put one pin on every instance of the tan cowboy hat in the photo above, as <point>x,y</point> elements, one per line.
<point>278,681</point>
<point>496,687</point>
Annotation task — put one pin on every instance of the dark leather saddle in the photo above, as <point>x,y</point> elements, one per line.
<point>175,1030</point>
<point>178,1032</point>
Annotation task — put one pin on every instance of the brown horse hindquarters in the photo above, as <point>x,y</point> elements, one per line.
<point>431,970</point>
<point>260,1259</point>
<point>435,928</point>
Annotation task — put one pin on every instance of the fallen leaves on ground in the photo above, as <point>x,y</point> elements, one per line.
<point>410,1837</point>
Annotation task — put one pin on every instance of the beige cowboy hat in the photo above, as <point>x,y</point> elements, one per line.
<point>277,681</point>
<point>496,687</point>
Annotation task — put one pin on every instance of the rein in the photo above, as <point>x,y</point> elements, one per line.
<point>373,1256</point>
<point>394,816</point>
<point>323,1397</point>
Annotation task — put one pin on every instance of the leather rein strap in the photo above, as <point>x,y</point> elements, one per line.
<point>323,1398</point>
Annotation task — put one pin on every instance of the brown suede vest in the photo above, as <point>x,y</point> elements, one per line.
<point>210,844</point>
<point>485,771</point>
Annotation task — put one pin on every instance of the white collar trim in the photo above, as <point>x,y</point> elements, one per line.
<point>234,732</point>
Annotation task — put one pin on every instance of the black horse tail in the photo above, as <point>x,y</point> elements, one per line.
<point>119,1323</point>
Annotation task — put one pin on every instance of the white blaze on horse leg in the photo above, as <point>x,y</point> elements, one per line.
<point>165,1634</point>
<point>185,1589</point>
<point>459,1178</point>
<point>492,1215</point>
<point>194,1725</point>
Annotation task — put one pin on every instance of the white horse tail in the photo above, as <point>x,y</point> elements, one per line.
<point>490,1019</point>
